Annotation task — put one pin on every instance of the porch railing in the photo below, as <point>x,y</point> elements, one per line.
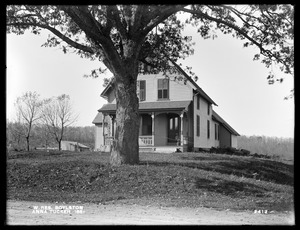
<point>145,140</point>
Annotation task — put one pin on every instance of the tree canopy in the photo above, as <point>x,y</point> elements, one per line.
<point>99,32</point>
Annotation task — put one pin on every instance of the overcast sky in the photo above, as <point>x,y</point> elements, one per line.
<point>225,69</point>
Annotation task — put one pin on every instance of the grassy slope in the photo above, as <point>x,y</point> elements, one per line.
<point>181,179</point>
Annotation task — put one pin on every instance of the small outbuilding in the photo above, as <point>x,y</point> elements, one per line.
<point>74,146</point>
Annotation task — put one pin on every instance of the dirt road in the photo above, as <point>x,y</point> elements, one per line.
<point>44,213</point>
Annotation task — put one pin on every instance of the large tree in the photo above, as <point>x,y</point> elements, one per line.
<point>123,36</point>
<point>28,112</point>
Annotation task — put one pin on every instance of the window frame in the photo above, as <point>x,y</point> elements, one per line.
<point>163,89</point>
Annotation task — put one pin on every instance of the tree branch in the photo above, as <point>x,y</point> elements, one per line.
<point>230,25</point>
<point>158,16</point>
<point>58,34</point>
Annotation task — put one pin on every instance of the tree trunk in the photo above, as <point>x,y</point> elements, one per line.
<point>59,145</point>
<point>27,142</point>
<point>125,147</point>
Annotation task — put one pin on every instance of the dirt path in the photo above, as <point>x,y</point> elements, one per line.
<point>24,213</point>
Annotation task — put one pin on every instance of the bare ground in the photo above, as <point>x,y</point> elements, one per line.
<point>21,213</point>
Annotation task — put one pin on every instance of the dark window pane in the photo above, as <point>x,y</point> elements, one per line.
<point>165,93</point>
<point>159,93</point>
<point>142,85</point>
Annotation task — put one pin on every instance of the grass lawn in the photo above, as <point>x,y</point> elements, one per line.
<point>178,179</point>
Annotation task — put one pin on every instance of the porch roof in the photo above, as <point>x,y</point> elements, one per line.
<point>219,119</point>
<point>151,106</point>
<point>98,118</point>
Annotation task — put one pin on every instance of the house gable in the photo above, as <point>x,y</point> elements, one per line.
<point>179,88</point>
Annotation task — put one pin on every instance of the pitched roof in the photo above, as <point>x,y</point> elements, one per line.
<point>98,118</point>
<point>198,89</point>
<point>151,106</point>
<point>217,117</point>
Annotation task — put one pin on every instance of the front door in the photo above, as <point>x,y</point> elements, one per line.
<point>173,128</point>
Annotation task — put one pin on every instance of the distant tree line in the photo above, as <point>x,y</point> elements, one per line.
<point>41,138</point>
<point>272,146</point>
<point>84,135</point>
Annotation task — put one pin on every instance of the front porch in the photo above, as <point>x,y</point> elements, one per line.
<point>159,131</point>
<point>164,126</point>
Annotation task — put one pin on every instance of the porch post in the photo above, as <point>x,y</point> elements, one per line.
<point>112,126</point>
<point>153,116</point>
<point>103,133</point>
<point>181,129</point>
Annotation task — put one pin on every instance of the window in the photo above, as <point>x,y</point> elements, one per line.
<point>216,131</point>
<point>208,109</point>
<point>176,122</point>
<point>141,90</point>
<point>198,125</point>
<point>198,102</point>
<point>163,89</point>
<point>208,129</point>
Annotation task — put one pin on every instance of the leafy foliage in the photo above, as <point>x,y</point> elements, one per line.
<point>269,27</point>
<point>74,28</point>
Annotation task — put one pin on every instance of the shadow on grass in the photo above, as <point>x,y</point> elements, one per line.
<point>230,188</point>
<point>33,154</point>
<point>265,170</point>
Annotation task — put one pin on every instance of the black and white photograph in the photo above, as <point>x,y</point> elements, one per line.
<point>160,115</point>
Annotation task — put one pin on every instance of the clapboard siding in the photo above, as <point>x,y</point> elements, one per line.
<point>98,136</point>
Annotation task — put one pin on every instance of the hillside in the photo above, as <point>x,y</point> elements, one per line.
<point>179,179</point>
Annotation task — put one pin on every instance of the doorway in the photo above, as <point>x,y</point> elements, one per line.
<point>173,128</point>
